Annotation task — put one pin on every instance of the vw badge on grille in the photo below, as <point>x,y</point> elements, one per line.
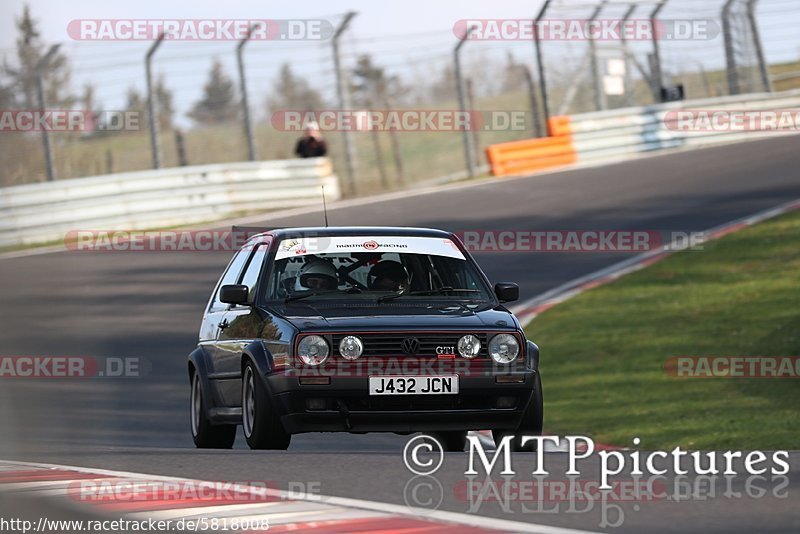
<point>410,346</point>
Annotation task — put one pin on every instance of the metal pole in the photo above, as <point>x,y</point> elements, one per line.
<point>462,104</point>
<point>540,65</point>
<point>536,125</point>
<point>248,128</point>
<point>657,81</point>
<point>706,81</point>
<point>763,67</point>
<point>730,52</point>
<point>476,139</point>
<point>38,70</point>
<point>343,93</point>
<point>599,92</point>
<point>629,98</point>
<point>398,157</point>
<point>376,146</point>
<point>151,103</point>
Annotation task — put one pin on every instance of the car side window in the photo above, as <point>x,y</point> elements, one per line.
<point>253,269</point>
<point>231,276</point>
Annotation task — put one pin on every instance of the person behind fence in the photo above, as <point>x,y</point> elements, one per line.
<point>311,145</point>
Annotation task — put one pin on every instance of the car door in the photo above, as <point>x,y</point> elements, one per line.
<point>239,327</point>
<point>214,317</point>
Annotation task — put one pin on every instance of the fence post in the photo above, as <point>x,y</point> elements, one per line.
<point>730,52</point>
<point>343,92</point>
<point>657,81</point>
<point>398,157</point>
<point>151,103</point>
<point>376,146</point>
<point>599,91</point>
<point>540,65</point>
<point>629,97</point>
<point>248,128</point>
<point>180,148</point>
<point>476,139</point>
<point>763,66</point>
<point>536,124</point>
<point>38,70</point>
<point>462,103</point>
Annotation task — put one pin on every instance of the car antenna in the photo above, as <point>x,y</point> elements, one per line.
<point>324,206</point>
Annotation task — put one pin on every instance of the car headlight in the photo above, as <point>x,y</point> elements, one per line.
<point>313,350</point>
<point>469,346</point>
<point>504,348</point>
<point>351,347</point>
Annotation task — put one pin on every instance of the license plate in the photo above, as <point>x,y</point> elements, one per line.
<point>413,385</point>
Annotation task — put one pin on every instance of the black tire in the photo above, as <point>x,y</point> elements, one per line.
<point>262,425</point>
<point>451,440</point>
<point>532,422</point>
<point>204,434</point>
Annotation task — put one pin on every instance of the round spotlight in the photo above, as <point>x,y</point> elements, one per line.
<point>351,347</point>
<point>469,346</point>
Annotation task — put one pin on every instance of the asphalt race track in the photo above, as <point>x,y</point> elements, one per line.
<point>148,305</point>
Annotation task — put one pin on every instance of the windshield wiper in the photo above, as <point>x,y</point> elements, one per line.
<point>444,290</point>
<point>301,296</point>
<point>392,296</point>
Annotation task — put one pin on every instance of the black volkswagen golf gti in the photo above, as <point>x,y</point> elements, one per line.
<point>360,330</point>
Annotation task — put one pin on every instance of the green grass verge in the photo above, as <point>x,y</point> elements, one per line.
<point>603,352</point>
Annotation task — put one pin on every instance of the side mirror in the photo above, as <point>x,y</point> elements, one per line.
<point>506,291</point>
<point>234,294</point>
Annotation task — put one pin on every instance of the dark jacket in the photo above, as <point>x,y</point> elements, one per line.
<point>311,147</point>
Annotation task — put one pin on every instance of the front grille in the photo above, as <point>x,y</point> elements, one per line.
<point>390,344</point>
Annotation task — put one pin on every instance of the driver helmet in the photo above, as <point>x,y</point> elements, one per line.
<point>388,275</point>
<point>317,274</point>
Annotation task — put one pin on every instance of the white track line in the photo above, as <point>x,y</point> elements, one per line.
<point>380,508</point>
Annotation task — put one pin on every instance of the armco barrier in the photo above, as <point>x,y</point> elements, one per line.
<point>529,155</point>
<point>38,213</point>
<point>618,134</point>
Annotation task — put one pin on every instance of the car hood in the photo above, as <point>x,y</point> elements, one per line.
<point>392,316</point>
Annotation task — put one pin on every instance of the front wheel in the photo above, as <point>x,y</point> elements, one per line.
<point>531,424</point>
<point>261,423</point>
<point>204,434</point>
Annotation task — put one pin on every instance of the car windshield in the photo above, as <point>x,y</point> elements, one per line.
<point>373,268</point>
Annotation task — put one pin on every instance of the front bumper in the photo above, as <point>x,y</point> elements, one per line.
<point>347,406</point>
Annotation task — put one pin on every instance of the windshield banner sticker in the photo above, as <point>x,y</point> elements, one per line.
<point>347,244</point>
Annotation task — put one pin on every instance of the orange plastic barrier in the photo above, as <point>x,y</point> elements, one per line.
<point>521,157</point>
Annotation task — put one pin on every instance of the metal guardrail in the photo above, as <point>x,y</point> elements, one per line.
<point>615,135</point>
<point>45,212</point>
<point>623,132</point>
